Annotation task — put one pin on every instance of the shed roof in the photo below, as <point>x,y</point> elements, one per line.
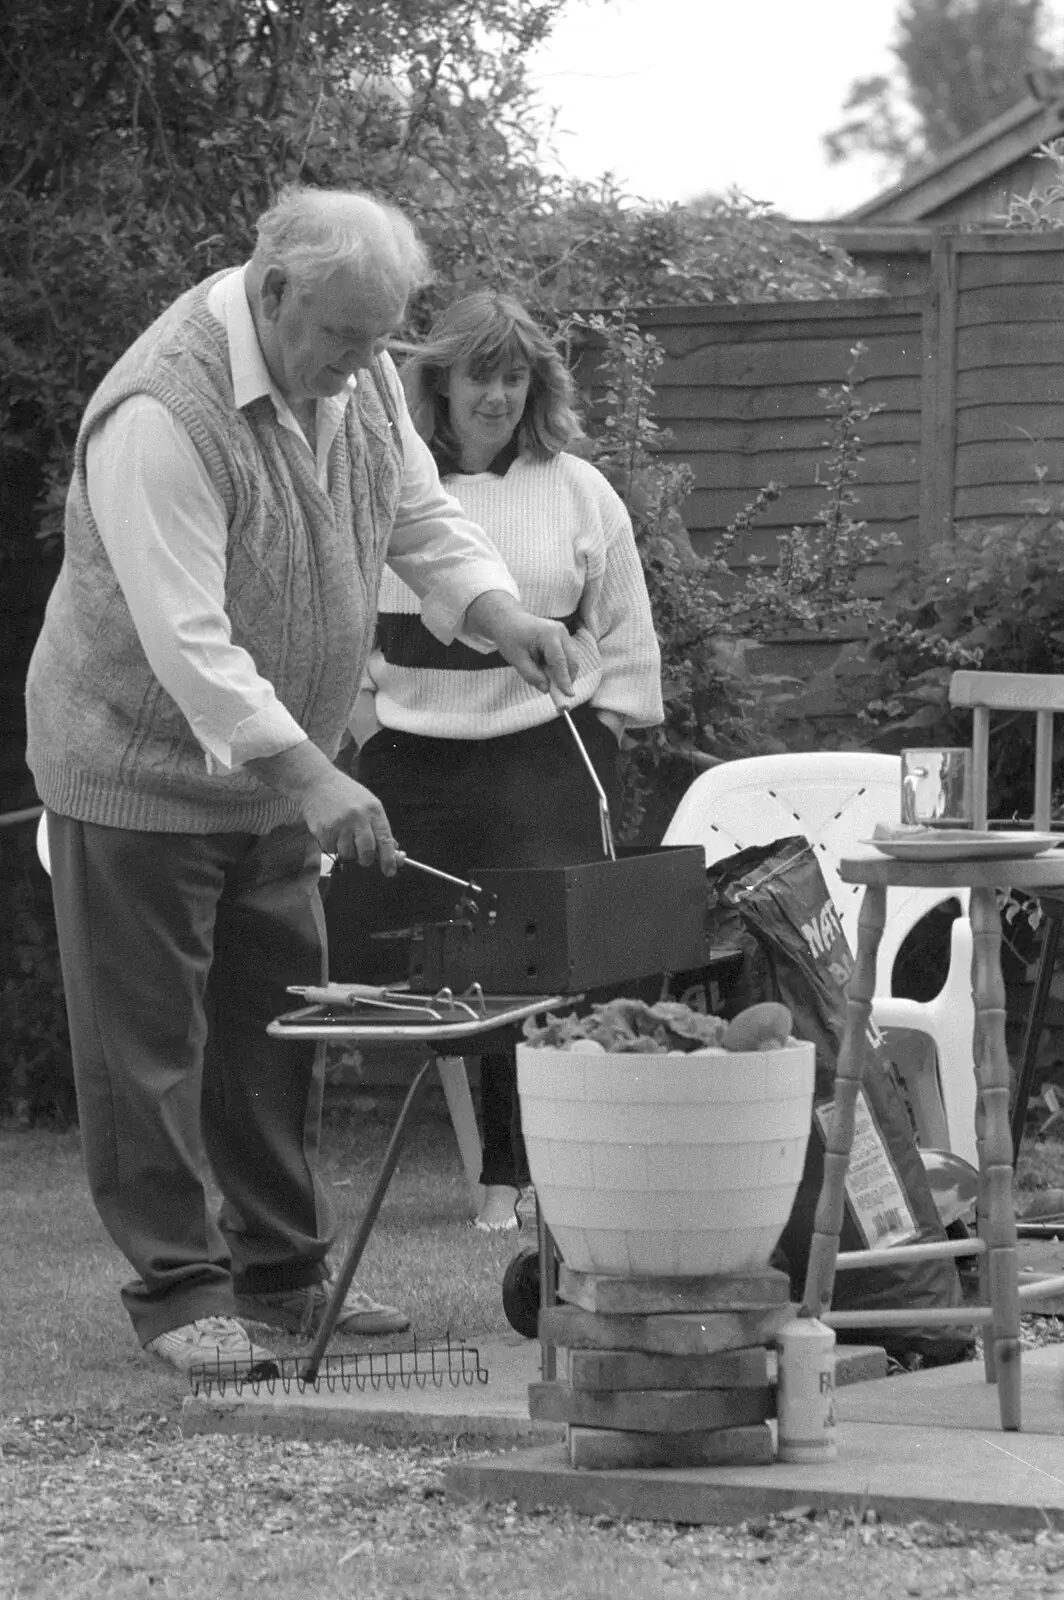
<point>975,161</point>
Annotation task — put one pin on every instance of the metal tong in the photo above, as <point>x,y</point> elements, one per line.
<point>434,872</point>
<point>364,994</point>
<point>429,1007</point>
<point>605,825</point>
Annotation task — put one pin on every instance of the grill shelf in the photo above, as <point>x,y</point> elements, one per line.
<point>454,1018</point>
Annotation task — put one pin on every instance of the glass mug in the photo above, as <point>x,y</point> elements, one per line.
<point>936,788</point>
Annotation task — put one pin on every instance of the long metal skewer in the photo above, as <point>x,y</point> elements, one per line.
<point>434,872</point>
<point>605,826</point>
<point>408,861</point>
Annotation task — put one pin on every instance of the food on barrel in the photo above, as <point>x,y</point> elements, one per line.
<point>766,1026</point>
<point>632,1027</point>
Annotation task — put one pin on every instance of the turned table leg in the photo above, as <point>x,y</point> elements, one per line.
<point>827,1226</point>
<point>997,1221</point>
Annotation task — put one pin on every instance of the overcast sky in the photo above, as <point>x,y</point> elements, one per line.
<point>677,97</point>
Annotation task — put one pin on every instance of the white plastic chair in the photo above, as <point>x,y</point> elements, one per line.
<point>835,798</point>
<point>454,1078</point>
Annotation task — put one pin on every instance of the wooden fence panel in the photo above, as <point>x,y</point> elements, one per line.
<point>995,391</point>
<point>741,390</point>
<point>967,378</point>
<point>771,401</point>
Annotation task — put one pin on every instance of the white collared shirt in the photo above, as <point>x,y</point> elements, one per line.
<point>163,525</point>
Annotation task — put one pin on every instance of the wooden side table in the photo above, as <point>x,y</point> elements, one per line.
<point>1000,1290</point>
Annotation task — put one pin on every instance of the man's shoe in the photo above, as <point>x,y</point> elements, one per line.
<point>214,1347</point>
<point>301,1311</point>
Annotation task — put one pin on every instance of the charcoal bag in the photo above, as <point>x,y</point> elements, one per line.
<point>771,901</point>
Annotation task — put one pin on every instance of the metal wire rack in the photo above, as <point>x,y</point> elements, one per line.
<point>415,1368</point>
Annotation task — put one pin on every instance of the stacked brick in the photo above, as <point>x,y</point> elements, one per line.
<point>664,1372</point>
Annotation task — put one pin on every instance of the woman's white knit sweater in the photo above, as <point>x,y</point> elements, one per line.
<point>567,539</point>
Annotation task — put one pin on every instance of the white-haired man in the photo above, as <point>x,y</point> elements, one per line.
<point>240,477</point>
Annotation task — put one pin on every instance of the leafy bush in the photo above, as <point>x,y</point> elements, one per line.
<point>138,141</point>
<point>710,624</point>
<point>992,598</point>
<point>815,585</point>
<point>1042,210</point>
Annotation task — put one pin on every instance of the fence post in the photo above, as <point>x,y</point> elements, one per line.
<point>938,432</point>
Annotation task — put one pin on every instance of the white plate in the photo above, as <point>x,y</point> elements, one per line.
<point>958,845</point>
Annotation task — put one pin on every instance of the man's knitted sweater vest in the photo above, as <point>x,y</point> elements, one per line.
<point>107,744</point>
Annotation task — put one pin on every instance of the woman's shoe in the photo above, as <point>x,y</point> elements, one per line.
<point>498,1212</point>
<point>525,1208</point>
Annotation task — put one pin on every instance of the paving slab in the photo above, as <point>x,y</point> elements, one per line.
<point>958,1397</point>
<point>901,1473</point>
<point>1043,1257</point>
<point>926,1445</point>
<point>491,1412</point>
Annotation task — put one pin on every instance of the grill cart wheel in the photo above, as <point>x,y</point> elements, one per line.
<point>520,1293</point>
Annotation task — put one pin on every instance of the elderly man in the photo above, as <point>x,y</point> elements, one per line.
<point>240,477</point>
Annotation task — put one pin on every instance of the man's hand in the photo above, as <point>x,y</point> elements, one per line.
<point>345,818</point>
<point>539,647</point>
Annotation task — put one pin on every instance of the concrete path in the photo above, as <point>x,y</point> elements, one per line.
<point>927,1445</point>
<point>924,1446</point>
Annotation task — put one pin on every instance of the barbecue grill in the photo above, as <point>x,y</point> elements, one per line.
<point>521,942</point>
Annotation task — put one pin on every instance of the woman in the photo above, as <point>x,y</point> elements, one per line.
<point>474,767</point>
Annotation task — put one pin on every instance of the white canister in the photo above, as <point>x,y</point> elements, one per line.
<point>805,1390</point>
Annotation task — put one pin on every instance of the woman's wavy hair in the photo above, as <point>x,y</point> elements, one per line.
<point>483,331</point>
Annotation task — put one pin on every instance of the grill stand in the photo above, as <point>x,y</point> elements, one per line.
<point>479,1017</point>
<point>346,1274</point>
<point>548,1259</point>
<point>498,1015</point>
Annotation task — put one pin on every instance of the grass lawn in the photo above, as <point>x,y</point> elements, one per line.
<point>68,1344</point>
<point>101,1495</point>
